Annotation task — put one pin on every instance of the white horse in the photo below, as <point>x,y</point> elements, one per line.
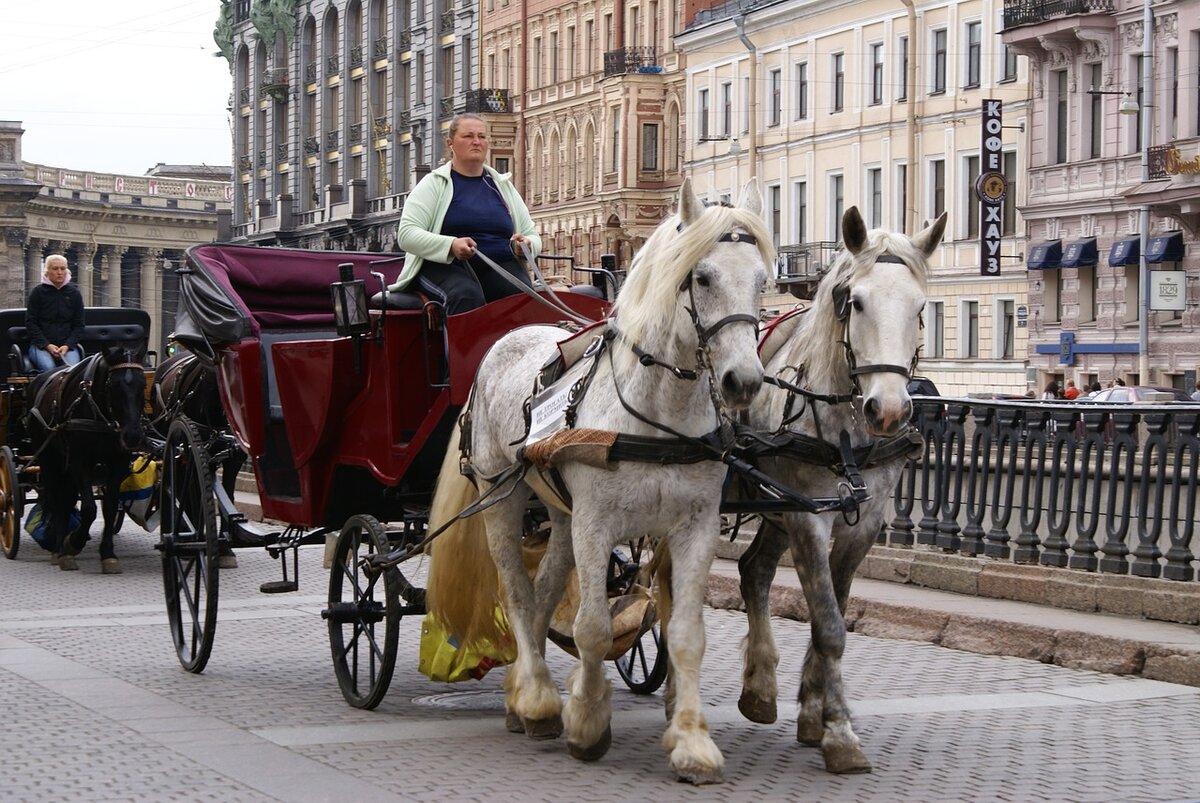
<point>683,341</point>
<point>847,360</point>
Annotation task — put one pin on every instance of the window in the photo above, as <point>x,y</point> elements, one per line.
<point>1095,122</point>
<point>774,97</point>
<point>971,163</point>
<point>1133,294</point>
<point>876,74</point>
<point>939,62</point>
<point>1196,88</point>
<point>874,197</point>
<point>837,202</point>
<point>745,105</point>
<point>839,81</point>
<point>1051,283</point>
<point>650,146</point>
<point>968,335</point>
<point>801,194</point>
<point>1008,212</point>
<point>608,32</point>
<point>1006,328</point>
<point>1141,104</point>
<point>420,71</point>
<point>1009,71</point>
<point>554,57</point>
<point>937,188</point>
<point>571,65</point>
<point>775,208</point>
<point>447,72</point>
<point>536,79</point>
<point>502,164</point>
<point>1087,294</point>
<point>1173,71</point>
<point>726,127</point>
<point>615,154</point>
<point>902,68</point>
<point>589,41</point>
<point>506,68</point>
<point>935,332</point>
<point>974,54</point>
<point>802,90</point>
<point>901,197</point>
<point>1060,116</point>
<point>702,112</point>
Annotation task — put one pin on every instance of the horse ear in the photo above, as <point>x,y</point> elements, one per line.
<point>689,205</point>
<point>751,199</point>
<point>927,239</point>
<point>854,231</point>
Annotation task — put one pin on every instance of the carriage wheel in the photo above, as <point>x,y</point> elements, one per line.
<point>644,666</point>
<point>363,614</point>
<point>10,504</point>
<point>188,529</point>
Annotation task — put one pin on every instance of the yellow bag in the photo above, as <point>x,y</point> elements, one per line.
<point>140,482</point>
<point>444,660</point>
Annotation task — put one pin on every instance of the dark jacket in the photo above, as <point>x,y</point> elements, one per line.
<point>54,315</point>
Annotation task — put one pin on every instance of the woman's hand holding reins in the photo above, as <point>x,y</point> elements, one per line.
<point>462,248</point>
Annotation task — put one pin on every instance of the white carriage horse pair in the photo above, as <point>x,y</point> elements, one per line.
<point>683,355</point>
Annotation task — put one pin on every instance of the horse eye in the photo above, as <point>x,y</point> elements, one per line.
<point>858,306</point>
<point>702,280</point>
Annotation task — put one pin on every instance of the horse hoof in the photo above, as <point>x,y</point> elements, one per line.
<point>227,561</point>
<point>513,723</point>
<point>548,728</point>
<point>846,760</point>
<point>756,709</point>
<point>67,563</point>
<point>699,776</point>
<point>110,566</point>
<point>596,751</point>
<point>54,560</point>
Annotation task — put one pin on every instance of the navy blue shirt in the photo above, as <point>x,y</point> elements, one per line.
<point>478,211</point>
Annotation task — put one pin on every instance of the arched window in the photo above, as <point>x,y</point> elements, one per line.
<point>572,162</point>
<point>671,161</point>
<point>589,159</point>
<point>555,160</point>
<point>536,173</point>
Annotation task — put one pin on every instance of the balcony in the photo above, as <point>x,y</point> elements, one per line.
<point>447,22</point>
<point>1032,12</point>
<point>244,163</point>
<point>281,152</point>
<point>381,127</point>
<point>262,158</point>
<point>404,119</point>
<point>332,65</point>
<point>356,56</point>
<point>487,101</point>
<point>275,84</point>
<point>356,134</point>
<point>310,72</point>
<point>379,48</point>
<point>446,108</point>
<point>802,266</point>
<point>244,96</point>
<point>312,146</point>
<point>331,141</point>
<point>406,40</point>
<point>631,59</point>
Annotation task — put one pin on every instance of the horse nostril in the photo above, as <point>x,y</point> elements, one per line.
<point>906,410</point>
<point>871,409</point>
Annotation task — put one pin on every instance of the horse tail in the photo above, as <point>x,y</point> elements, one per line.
<point>462,584</point>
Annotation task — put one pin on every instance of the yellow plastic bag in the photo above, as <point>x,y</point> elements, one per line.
<point>140,482</point>
<point>444,660</point>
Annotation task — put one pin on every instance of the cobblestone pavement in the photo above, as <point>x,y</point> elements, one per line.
<point>95,707</point>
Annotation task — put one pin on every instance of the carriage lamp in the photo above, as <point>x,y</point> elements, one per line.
<point>350,303</point>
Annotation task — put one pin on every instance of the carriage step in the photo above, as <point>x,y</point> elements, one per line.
<point>279,586</point>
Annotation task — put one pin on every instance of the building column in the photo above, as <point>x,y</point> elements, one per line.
<point>110,272</point>
<point>85,259</point>
<point>33,264</point>
<point>151,299</point>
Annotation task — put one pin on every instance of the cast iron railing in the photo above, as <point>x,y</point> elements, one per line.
<point>1029,12</point>
<point>485,101</point>
<point>631,59</point>
<point>1108,488</point>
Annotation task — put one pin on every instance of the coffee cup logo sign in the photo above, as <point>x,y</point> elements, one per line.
<point>991,188</point>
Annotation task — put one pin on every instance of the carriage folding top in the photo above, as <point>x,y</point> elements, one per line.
<point>337,425</point>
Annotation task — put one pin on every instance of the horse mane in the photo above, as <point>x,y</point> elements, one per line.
<point>646,307</point>
<point>814,344</point>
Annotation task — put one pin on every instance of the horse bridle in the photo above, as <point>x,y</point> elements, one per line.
<point>842,309</point>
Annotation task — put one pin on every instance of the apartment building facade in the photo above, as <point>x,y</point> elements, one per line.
<point>877,105</point>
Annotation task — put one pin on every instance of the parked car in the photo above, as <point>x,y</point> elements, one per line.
<point>1137,393</point>
<point>922,386</point>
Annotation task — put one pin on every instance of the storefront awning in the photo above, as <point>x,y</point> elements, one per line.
<point>1165,248</point>
<point>1081,254</point>
<point>1044,256</point>
<point>1125,252</point>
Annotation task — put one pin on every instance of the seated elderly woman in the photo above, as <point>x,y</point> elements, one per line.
<point>54,317</point>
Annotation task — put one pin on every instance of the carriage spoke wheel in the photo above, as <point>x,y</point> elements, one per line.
<point>363,613</point>
<point>188,527</point>
<point>10,504</point>
<point>644,666</point>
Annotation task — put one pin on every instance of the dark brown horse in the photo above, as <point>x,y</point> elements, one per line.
<point>85,422</point>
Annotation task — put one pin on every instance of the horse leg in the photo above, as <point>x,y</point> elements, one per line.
<point>588,712</point>
<point>692,754</point>
<point>757,567</point>
<point>823,702</point>
<point>662,582</point>
<point>87,516</point>
<point>530,694</point>
<point>110,507</point>
<point>53,497</point>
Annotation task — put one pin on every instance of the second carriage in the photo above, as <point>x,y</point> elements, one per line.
<point>343,407</point>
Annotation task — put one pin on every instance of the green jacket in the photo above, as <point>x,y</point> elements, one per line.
<point>424,210</point>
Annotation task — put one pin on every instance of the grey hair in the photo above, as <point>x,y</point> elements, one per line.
<point>54,258</point>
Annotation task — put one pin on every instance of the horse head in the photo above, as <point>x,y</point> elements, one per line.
<point>124,395</point>
<point>877,293</point>
<point>698,291</point>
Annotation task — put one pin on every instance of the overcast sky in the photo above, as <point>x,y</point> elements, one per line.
<point>115,87</point>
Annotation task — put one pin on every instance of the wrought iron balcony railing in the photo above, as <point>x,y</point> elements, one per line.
<point>331,141</point>
<point>1030,12</point>
<point>312,145</point>
<point>379,48</point>
<point>487,101</point>
<point>446,108</point>
<point>281,152</point>
<point>332,65</point>
<point>244,163</point>
<point>806,261</point>
<point>356,134</point>
<point>404,118</point>
<point>381,127</point>
<point>406,40</point>
<point>356,56</point>
<point>262,158</point>
<point>275,84</point>
<point>310,72</point>
<point>1156,156</point>
<point>244,95</point>
<point>631,59</point>
<point>447,21</point>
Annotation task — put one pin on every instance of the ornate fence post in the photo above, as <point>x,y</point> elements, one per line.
<point>1091,490</point>
<point>1032,485</point>
<point>1119,505</point>
<point>1008,423</point>
<point>977,480</point>
<point>950,477</point>
<point>1182,510</point>
<point>1062,488</point>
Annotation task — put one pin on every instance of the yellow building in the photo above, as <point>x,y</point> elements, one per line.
<point>877,105</point>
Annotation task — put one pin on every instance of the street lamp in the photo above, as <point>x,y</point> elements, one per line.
<point>1128,105</point>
